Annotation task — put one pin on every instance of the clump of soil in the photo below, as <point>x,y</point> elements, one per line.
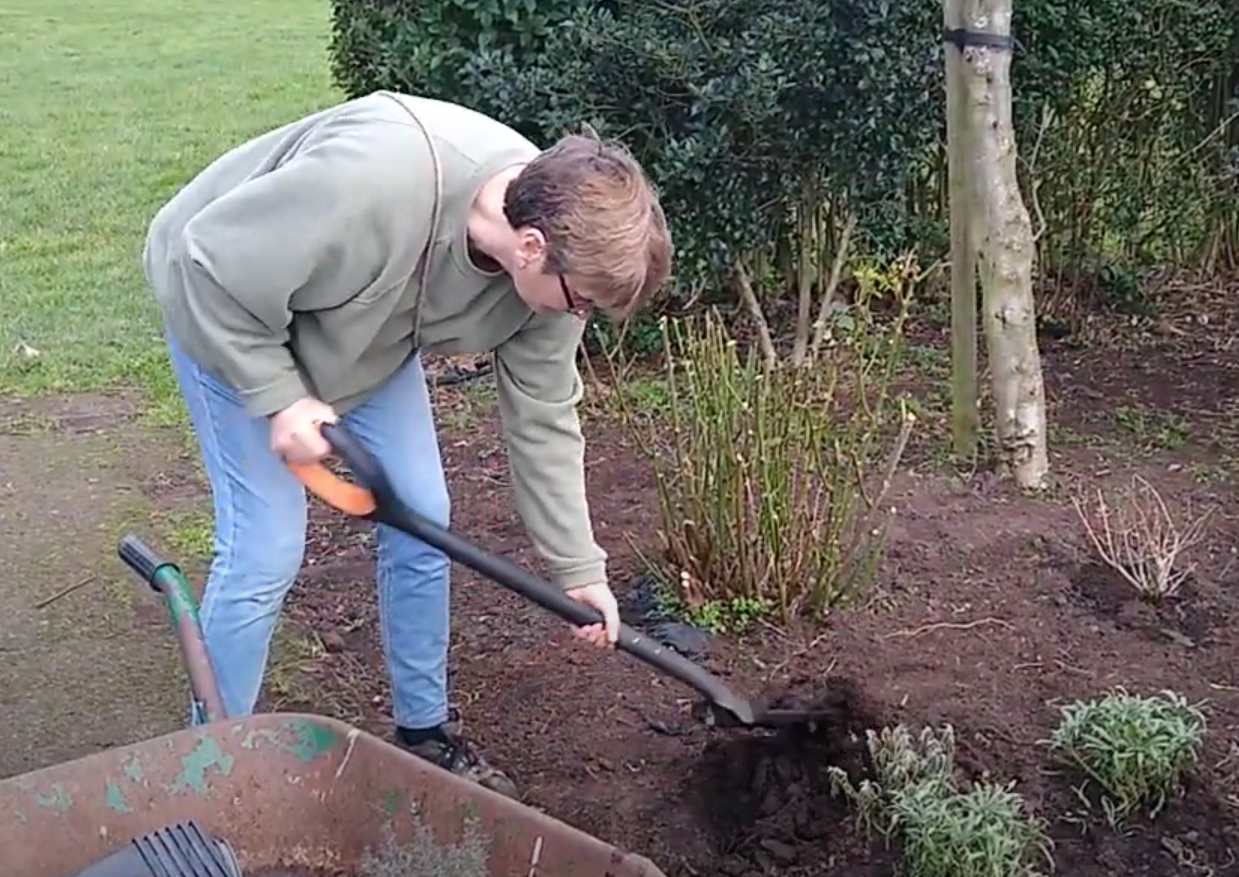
<point>297,871</point>
<point>767,800</point>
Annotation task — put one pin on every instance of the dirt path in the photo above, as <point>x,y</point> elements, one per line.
<point>96,667</point>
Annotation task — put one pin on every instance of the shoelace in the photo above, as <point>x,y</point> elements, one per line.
<point>459,755</point>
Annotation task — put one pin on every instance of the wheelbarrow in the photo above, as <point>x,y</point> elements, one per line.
<point>271,794</point>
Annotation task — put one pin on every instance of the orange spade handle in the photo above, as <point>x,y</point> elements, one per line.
<point>352,499</point>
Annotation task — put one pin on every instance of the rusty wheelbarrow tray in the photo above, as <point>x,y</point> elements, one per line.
<point>284,790</point>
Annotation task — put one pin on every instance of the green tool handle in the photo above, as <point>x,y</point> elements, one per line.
<point>166,579</point>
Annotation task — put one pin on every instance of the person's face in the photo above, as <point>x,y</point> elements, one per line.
<point>542,291</point>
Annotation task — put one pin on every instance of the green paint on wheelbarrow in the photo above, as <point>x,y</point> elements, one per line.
<point>312,739</point>
<point>391,802</point>
<point>116,798</point>
<point>194,766</point>
<point>55,799</point>
<point>133,770</point>
<point>305,739</point>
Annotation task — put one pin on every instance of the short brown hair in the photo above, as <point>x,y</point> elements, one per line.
<point>601,218</point>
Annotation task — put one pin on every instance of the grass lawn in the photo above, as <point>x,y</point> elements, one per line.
<point>109,109</point>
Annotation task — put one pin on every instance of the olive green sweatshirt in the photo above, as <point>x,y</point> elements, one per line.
<point>292,266</point>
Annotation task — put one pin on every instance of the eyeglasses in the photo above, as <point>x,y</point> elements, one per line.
<point>575,303</point>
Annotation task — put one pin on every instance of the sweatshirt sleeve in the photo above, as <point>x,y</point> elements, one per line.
<point>539,388</point>
<point>327,219</point>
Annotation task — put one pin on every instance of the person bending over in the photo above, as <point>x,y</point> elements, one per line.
<point>300,275</point>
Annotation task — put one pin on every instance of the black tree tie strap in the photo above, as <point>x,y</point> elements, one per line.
<point>962,38</point>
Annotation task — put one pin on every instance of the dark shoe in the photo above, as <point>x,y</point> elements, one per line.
<point>451,751</point>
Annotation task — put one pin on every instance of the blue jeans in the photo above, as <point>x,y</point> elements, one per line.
<point>260,529</point>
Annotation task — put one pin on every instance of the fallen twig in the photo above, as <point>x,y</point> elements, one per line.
<point>1072,668</point>
<point>798,654</point>
<point>64,592</point>
<point>948,625</point>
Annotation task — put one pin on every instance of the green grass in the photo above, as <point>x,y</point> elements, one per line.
<point>109,109</point>
<point>191,535</point>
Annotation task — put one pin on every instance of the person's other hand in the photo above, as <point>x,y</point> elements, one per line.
<point>295,433</point>
<point>601,598</point>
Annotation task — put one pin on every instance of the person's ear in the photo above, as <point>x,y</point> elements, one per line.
<point>530,248</point>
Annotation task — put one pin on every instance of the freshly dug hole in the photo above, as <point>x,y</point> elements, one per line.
<point>766,798</point>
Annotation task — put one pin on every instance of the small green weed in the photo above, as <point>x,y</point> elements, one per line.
<point>734,615</point>
<point>731,616</point>
<point>463,405</point>
<point>1136,749</point>
<point>639,336</point>
<point>931,361</point>
<point>649,396</point>
<point>1153,428</point>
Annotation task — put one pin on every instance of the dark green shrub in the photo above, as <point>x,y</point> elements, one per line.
<point>422,47</point>
<point>762,122</point>
<point>639,336</point>
<point>1126,108</point>
<point>765,121</point>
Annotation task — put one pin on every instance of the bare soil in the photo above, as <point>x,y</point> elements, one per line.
<point>991,612</point>
<point>87,661</point>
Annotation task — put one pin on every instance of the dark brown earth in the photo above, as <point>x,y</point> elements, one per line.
<point>990,612</point>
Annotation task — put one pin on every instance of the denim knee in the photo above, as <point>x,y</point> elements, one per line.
<point>436,505</point>
<point>423,489</point>
<point>266,557</point>
<point>402,550</point>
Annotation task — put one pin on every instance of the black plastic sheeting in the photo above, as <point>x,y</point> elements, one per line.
<point>641,608</point>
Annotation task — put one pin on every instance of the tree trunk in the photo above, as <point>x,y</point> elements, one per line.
<point>1003,234</point>
<point>965,418</point>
